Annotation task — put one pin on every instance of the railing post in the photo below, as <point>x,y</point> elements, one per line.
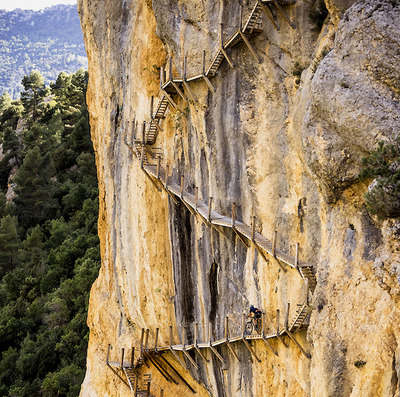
<point>141,344</point>
<point>144,133</point>
<point>108,354</point>
<point>170,68</point>
<point>196,197</point>
<point>240,18</point>
<point>166,175</point>
<point>133,356</point>
<point>209,209</point>
<point>253,227</point>
<point>122,358</point>
<point>287,315</point>
<point>204,62</point>
<point>274,243</point>
<point>209,332</point>
<point>243,323</point>
<point>151,106</point>
<point>156,339</point>
<point>158,166</point>
<point>307,291</point>
<point>170,335</point>
<point>263,324</point>
<point>277,321</point>
<point>161,77</point>
<point>142,157</point>
<point>226,328</point>
<point>148,389</point>
<point>182,183</point>
<point>147,340</point>
<point>296,258</point>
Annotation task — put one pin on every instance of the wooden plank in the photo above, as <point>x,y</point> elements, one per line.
<point>269,345</point>
<point>210,346</point>
<point>227,339</point>
<point>196,346</point>
<point>206,79</point>
<point>269,14</point>
<point>158,367</point>
<point>283,12</point>
<point>250,47</point>
<point>177,357</point>
<point>277,330</point>
<point>251,350</point>
<point>179,91</point>
<point>190,358</point>
<point>231,64</point>
<point>151,179</point>
<point>290,335</point>
<point>178,374</point>
<point>170,100</point>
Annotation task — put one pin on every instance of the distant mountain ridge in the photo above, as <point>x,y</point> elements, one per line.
<point>49,41</point>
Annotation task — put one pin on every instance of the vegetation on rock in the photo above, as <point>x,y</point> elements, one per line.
<point>49,248</point>
<point>383,164</point>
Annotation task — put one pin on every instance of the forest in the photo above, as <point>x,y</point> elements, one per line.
<point>49,248</point>
<point>49,41</point>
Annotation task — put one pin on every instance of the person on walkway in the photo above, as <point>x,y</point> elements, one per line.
<point>255,312</point>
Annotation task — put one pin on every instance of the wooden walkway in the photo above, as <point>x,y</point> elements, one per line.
<point>181,352</point>
<point>171,85</point>
<point>247,234</point>
<point>185,354</point>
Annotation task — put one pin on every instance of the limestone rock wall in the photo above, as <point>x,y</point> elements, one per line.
<point>287,153</point>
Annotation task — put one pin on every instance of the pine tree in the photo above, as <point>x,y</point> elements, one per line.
<point>35,90</point>
<point>9,243</point>
<point>383,164</point>
<point>35,189</point>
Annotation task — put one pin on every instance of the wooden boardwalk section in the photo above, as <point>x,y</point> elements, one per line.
<point>172,85</point>
<point>192,354</point>
<point>246,233</point>
<point>188,355</point>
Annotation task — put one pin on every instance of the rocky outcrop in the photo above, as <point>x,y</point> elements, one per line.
<point>287,153</point>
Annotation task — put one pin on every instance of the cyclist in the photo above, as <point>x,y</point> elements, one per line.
<point>255,312</point>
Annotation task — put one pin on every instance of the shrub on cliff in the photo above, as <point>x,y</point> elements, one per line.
<point>383,164</point>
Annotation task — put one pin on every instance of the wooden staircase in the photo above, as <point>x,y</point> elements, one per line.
<point>254,17</point>
<point>307,272</point>
<point>300,316</point>
<point>131,377</point>
<point>216,63</point>
<point>159,115</point>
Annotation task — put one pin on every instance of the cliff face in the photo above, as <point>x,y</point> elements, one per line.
<point>286,153</point>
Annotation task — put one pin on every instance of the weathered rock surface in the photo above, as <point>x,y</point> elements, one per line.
<point>288,154</point>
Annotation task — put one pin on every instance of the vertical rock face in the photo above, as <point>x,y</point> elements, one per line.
<point>287,153</point>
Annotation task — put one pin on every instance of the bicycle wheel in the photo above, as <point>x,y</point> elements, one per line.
<point>249,328</point>
<point>258,326</point>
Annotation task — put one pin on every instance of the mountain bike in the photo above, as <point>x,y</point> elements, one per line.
<point>254,324</point>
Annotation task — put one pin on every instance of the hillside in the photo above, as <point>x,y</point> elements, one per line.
<point>49,41</point>
<point>49,248</point>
